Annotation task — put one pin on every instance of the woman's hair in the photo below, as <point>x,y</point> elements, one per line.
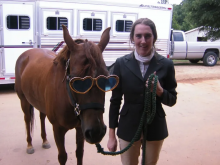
<point>147,22</point>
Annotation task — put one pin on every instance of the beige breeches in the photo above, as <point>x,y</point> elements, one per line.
<point>130,157</point>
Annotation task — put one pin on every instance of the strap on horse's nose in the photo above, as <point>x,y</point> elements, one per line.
<point>91,106</point>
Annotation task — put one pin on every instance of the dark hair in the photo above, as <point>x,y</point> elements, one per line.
<point>147,22</point>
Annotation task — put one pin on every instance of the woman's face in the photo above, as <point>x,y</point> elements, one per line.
<point>143,39</point>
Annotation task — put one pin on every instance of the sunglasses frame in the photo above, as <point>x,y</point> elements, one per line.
<point>93,79</point>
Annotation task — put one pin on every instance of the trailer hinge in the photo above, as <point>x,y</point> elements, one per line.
<point>1,28</point>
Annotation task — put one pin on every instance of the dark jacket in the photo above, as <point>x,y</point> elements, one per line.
<point>132,87</point>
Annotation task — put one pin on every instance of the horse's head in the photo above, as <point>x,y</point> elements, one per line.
<point>86,63</point>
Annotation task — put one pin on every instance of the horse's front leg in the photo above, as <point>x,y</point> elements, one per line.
<point>45,144</point>
<point>59,136</point>
<point>79,146</point>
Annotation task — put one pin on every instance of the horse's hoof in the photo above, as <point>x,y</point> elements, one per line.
<point>30,150</point>
<point>46,145</point>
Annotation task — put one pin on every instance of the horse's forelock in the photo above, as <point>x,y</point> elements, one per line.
<point>90,54</point>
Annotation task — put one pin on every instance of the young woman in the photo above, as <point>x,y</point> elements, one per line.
<point>133,71</point>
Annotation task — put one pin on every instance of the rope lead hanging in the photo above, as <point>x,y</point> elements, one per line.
<point>146,119</point>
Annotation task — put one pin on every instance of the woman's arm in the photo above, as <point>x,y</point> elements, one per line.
<point>169,94</point>
<point>114,109</point>
<point>116,98</point>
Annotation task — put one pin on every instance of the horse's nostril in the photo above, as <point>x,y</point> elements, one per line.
<point>88,134</point>
<point>95,135</point>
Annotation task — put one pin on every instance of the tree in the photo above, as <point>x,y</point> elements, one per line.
<point>206,15</point>
<point>180,18</point>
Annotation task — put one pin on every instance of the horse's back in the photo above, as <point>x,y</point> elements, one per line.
<point>35,54</point>
<point>35,59</point>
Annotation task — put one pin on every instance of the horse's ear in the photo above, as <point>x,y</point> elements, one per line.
<point>104,39</point>
<point>68,39</point>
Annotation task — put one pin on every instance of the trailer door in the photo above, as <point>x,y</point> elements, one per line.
<point>180,47</point>
<point>51,21</point>
<point>18,27</point>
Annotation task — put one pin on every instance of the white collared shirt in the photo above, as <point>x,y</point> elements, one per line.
<point>143,65</point>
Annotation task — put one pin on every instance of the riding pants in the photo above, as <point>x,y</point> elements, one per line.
<point>130,157</point>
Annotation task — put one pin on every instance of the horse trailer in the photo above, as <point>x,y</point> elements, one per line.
<point>26,24</point>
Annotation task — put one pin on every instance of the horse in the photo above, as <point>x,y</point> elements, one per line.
<point>46,81</point>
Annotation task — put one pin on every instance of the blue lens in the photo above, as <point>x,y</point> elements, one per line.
<point>106,84</point>
<point>82,85</point>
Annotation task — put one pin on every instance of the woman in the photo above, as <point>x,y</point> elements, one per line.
<point>133,71</point>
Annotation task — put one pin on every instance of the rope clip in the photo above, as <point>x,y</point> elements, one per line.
<point>77,110</point>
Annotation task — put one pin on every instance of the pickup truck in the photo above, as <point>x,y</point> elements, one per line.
<point>180,49</point>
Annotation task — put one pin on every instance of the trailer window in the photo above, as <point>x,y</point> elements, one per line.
<point>123,25</point>
<point>92,24</point>
<point>178,36</point>
<point>55,23</point>
<point>18,22</point>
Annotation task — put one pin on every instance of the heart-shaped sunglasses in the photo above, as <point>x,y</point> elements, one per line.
<point>83,85</point>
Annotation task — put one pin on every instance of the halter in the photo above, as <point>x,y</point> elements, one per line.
<point>78,107</point>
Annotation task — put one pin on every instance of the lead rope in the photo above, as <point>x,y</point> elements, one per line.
<point>146,119</point>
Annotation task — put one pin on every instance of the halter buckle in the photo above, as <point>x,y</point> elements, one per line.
<point>77,110</point>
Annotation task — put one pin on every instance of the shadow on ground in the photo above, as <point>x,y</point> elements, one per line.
<point>6,88</point>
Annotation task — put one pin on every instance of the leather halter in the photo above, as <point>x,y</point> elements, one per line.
<point>78,107</point>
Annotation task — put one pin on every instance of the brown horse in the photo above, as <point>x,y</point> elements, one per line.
<point>42,81</point>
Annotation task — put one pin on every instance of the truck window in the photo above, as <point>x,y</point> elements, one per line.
<point>55,23</point>
<point>178,36</point>
<point>18,22</point>
<point>92,24</point>
<point>123,25</point>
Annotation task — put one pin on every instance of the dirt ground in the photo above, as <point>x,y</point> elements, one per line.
<point>193,124</point>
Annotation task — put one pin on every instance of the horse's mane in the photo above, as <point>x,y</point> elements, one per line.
<point>92,53</point>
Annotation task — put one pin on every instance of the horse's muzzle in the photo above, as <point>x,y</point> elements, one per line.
<point>95,135</point>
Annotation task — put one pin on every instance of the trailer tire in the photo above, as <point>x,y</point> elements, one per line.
<point>194,61</point>
<point>210,59</point>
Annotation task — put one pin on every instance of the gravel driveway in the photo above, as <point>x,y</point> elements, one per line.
<point>187,72</point>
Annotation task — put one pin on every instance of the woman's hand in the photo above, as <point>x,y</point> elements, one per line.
<point>112,141</point>
<point>159,89</point>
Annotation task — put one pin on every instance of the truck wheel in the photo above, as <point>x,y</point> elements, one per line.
<point>194,61</point>
<point>210,59</point>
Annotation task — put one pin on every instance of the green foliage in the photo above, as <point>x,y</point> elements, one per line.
<point>181,18</point>
<point>204,14</point>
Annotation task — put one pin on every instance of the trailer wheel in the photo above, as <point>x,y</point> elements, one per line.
<point>210,59</point>
<point>194,61</point>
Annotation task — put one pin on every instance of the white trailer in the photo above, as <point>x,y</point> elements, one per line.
<point>26,24</point>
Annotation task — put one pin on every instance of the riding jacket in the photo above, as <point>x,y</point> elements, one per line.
<point>131,88</point>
